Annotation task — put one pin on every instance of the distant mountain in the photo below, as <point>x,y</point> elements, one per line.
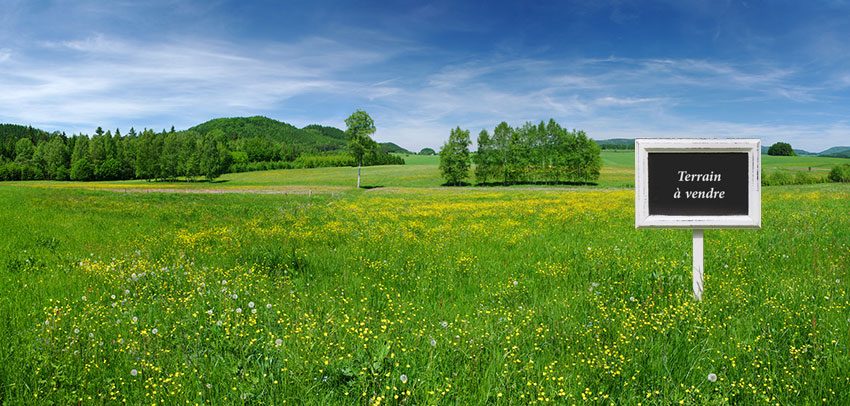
<point>616,143</point>
<point>837,152</point>
<point>392,148</point>
<point>310,137</point>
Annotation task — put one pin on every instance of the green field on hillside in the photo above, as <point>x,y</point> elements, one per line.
<point>411,295</point>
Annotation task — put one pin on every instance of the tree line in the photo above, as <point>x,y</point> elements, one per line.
<point>542,153</point>
<point>28,153</point>
<point>149,155</point>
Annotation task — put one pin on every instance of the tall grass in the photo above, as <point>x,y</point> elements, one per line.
<point>416,296</point>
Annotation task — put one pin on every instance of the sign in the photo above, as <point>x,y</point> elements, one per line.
<point>697,184</point>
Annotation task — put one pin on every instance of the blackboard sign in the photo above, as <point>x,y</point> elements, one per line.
<point>693,184</point>
<point>697,183</point>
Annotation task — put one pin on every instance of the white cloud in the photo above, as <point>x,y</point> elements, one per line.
<point>76,85</point>
<point>110,80</point>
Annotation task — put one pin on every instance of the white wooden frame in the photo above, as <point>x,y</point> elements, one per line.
<point>697,145</point>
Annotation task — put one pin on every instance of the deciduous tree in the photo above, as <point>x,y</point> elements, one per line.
<point>360,127</point>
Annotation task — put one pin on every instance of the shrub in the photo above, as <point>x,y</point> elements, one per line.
<point>840,173</point>
<point>781,149</point>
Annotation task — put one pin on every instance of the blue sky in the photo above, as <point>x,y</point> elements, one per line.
<point>777,70</point>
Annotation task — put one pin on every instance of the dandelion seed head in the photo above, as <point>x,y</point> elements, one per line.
<point>712,377</point>
<point>403,378</point>
<point>134,372</point>
<point>444,324</point>
<point>251,305</point>
<point>278,342</point>
<point>238,310</point>
<point>154,330</point>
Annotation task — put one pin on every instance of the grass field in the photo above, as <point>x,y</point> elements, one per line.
<point>419,171</point>
<point>410,294</point>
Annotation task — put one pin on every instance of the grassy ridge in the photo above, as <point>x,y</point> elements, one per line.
<point>415,295</point>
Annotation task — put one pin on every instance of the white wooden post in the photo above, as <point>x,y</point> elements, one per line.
<point>698,268</point>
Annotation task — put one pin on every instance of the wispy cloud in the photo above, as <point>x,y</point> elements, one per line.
<point>420,71</point>
<point>104,79</point>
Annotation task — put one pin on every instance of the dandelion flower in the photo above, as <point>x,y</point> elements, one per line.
<point>403,378</point>
<point>134,372</point>
<point>712,378</point>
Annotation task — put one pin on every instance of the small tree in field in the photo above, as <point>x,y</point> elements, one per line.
<point>781,149</point>
<point>454,157</point>
<point>360,128</point>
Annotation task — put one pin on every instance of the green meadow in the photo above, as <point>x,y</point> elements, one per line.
<point>421,171</point>
<point>292,287</point>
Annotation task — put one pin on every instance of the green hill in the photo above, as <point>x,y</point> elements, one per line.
<point>616,143</point>
<point>11,133</point>
<point>310,137</point>
<point>392,148</point>
<point>326,131</point>
<point>837,152</point>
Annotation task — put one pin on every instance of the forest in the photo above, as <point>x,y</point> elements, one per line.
<point>542,153</point>
<point>201,152</point>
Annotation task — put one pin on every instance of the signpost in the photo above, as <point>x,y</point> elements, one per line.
<point>697,184</point>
